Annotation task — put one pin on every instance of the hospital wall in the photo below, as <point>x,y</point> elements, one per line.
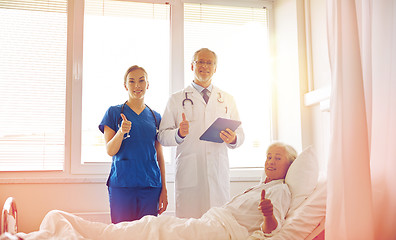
<point>302,75</point>
<point>295,121</point>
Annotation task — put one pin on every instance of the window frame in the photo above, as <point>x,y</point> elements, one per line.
<point>73,168</point>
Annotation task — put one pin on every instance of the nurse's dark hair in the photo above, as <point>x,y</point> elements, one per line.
<point>291,152</point>
<point>204,49</point>
<point>131,69</point>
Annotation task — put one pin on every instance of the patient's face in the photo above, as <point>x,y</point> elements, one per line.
<point>277,164</point>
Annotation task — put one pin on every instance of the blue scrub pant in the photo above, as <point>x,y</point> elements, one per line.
<point>128,204</point>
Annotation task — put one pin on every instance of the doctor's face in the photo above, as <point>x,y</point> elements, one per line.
<point>277,163</point>
<point>204,66</point>
<point>136,84</point>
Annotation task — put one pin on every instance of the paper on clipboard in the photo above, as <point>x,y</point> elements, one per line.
<point>212,134</point>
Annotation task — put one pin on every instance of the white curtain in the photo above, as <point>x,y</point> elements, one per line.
<point>362,166</point>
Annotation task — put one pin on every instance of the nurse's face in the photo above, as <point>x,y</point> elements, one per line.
<point>136,84</point>
<point>277,163</point>
<point>203,66</point>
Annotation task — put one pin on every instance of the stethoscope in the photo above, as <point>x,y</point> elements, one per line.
<point>152,112</point>
<point>187,99</point>
<point>219,99</point>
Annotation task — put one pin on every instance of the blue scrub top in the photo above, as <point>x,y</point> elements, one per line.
<point>135,164</point>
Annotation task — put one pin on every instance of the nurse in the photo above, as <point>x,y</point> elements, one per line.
<point>202,168</point>
<point>136,182</point>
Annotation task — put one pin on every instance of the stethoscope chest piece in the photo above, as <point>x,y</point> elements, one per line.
<point>220,99</point>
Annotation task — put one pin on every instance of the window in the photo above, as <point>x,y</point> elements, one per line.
<point>51,102</point>
<point>239,36</point>
<point>117,35</point>
<point>32,84</point>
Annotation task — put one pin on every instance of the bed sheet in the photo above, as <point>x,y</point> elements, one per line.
<point>216,224</point>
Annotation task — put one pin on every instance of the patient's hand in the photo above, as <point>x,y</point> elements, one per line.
<point>266,206</point>
<point>267,209</point>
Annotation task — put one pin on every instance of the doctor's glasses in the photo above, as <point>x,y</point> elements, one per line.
<point>201,63</point>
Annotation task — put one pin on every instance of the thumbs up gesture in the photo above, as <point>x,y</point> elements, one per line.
<point>266,206</point>
<point>183,127</point>
<point>125,125</point>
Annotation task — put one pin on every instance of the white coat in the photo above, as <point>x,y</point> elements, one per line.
<point>202,168</point>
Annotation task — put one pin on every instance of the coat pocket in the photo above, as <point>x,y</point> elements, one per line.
<point>223,110</point>
<point>186,172</point>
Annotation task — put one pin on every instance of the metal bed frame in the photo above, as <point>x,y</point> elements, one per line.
<point>9,217</point>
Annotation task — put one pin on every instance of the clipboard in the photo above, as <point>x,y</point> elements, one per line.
<point>212,134</point>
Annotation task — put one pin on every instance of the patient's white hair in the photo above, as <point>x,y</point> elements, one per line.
<point>291,152</point>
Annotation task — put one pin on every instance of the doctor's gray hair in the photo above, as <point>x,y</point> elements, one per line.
<point>204,49</point>
<point>131,69</point>
<point>291,152</point>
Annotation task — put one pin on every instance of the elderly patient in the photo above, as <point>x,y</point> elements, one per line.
<point>261,207</point>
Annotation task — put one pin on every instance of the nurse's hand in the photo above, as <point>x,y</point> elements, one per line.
<point>228,136</point>
<point>125,125</point>
<point>163,201</point>
<point>183,127</point>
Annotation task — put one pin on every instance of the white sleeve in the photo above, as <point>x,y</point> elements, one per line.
<point>280,197</point>
<point>169,124</point>
<point>240,135</point>
<point>271,234</point>
<point>179,139</point>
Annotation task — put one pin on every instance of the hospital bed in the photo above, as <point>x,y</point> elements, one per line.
<point>305,219</point>
<point>9,218</point>
<point>307,222</point>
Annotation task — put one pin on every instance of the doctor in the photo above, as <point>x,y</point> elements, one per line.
<point>202,168</point>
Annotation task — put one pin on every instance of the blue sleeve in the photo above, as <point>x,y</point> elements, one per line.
<point>158,116</point>
<point>110,119</point>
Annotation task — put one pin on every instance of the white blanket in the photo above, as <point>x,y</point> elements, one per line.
<point>216,224</point>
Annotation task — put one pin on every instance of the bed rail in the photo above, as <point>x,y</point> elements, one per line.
<point>9,217</point>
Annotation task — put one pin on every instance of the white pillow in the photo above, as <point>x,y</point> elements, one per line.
<point>302,177</point>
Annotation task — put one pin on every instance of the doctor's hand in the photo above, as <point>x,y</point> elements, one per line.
<point>266,206</point>
<point>228,136</point>
<point>183,127</point>
<point>125,125</point>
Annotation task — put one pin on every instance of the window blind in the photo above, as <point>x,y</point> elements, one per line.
<point>59,6</point>
<point>205,13</point>
<point>239,36</point>
<point>204,23</point>
<point>118,8</point>
<point>33,43</point>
